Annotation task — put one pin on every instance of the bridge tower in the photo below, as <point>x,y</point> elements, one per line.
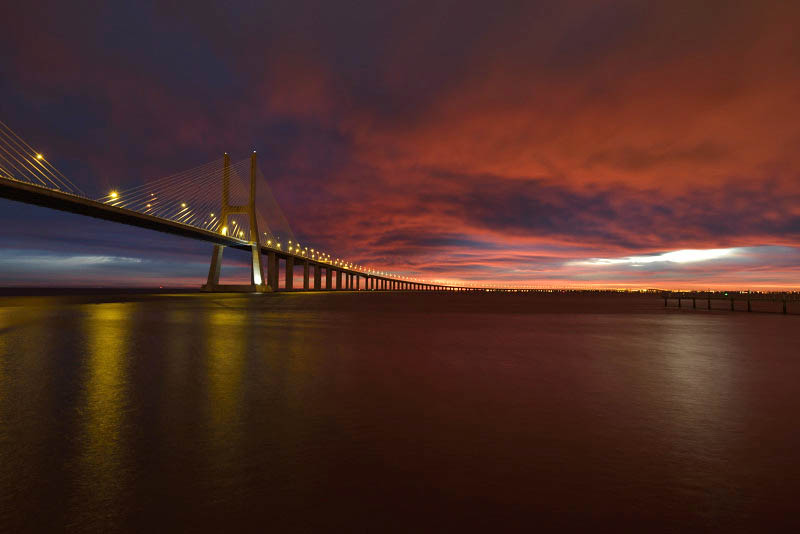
<point>256,270</point>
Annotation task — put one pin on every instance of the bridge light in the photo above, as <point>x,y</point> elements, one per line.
<point>241,233</point>
<point>224,230</point>
<point>183,204</point>
<point>269,241</point>
<point>113,194</point>
<point>39,156</point>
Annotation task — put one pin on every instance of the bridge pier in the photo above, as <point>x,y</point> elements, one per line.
<point>216,264</point>
<point>289,274</point>
<point>339,280</point>
<point>317,277</point>
<point>257,282</point>
<point>328,279</point>
<point>272,270</point>
<point>305,275</point>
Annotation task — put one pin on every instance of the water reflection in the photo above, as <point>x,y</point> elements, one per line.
<point>103,447</point>
<point>226,336</point>
<point>210,413</point>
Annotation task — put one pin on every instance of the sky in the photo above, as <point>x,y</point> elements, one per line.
<point>549,144</point>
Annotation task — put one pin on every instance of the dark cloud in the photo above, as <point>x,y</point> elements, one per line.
<point>459,138</point>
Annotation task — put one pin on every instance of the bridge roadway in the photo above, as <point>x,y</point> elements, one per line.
<point>337,277</point>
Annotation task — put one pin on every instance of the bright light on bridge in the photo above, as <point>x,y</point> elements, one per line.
<point>39,156</point>
<point>114,195</point>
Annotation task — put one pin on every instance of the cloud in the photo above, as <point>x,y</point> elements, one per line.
<point>437,137</point>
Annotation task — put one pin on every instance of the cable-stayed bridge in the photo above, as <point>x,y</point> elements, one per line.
<point>218,202</point>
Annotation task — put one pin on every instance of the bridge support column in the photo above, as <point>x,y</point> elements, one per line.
<point>272,270</point>
<point>328,279</point>
<point>257,282</point>
<point>216,264</point>
<point>256,270</point>
<point>317,277</point>
<point>289,280</point>
<point>339,280</point>
<point>305,275</point>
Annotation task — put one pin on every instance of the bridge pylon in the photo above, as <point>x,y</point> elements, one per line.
<point>257,283</point>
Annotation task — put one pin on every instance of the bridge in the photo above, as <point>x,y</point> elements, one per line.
<point>216,203</point>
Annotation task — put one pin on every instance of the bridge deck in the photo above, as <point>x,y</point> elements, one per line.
<point>58,200</point>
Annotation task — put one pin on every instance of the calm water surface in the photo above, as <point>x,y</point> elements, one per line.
<point>388,412</point>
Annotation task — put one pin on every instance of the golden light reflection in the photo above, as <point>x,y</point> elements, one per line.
<point>225,337</point>
<point>105,387</point>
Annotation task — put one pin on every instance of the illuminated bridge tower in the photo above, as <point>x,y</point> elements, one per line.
<point>256,270</point>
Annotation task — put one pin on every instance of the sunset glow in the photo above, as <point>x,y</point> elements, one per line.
<point>582,144</point>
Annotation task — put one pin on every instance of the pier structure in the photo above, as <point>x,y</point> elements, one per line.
<point>746,301</point>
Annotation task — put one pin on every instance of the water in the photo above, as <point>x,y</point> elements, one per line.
<point>388,412</point>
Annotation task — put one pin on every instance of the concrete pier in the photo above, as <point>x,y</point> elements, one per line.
<point>289,274</point>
